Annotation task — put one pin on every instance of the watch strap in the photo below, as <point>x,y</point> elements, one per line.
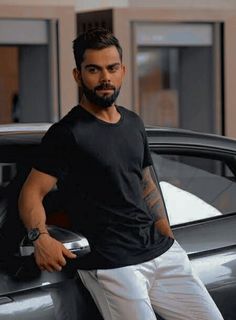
<point>41,233</point>
<point>34,234</point>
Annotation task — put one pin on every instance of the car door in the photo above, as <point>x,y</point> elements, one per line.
<point>25,291</point>
<point>199,190</point>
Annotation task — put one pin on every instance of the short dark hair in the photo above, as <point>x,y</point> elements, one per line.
<point>96,38</point>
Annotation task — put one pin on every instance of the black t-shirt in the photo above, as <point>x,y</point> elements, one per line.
<point>100,165</point>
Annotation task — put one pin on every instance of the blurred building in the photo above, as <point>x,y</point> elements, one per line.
<point>180,58</point>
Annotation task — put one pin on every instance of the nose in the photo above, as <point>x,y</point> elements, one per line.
<point>105,76</point>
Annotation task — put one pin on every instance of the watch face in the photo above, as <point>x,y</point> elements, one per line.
<point>33,234</point>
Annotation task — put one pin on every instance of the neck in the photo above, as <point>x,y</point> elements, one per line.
<point>107,114</point>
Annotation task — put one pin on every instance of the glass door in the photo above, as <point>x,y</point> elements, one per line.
<point>29,69</point>
<point>177,76</point>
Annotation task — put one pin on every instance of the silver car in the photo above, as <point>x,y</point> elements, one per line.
<point>196,174</point>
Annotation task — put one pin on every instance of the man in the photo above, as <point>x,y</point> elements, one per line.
<point>99,153</point>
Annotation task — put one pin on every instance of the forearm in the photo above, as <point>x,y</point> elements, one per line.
<point>31,210</point>
<point>49,253</point>
<point>155,206</point>
<point>154,202</point>
<point>162,225</point>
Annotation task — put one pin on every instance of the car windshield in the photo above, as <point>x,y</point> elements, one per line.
<point>195,188</point>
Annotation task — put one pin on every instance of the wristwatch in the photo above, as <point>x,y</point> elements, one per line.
<point>34,233</point>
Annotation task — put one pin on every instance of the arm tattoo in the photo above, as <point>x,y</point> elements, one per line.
<point>152,194</point>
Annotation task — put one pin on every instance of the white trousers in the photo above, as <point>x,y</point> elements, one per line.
<point>166,284</point>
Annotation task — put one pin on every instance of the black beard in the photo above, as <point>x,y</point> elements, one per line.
<point>104,102</point>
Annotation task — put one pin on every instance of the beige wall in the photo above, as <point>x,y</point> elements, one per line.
<point>81,5</point>
<point>65,15</point>
<point>101,4</point>
<point>212,4</point>
<point>230,76</point>
<point>38,2</point>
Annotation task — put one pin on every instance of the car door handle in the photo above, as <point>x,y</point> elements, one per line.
<point>5,300</point>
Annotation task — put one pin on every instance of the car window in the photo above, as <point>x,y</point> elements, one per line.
<point>195,188</point>
<point>7,174</point>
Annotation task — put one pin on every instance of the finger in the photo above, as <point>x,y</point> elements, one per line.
<point>50,266</point>
<point>47,268</point>
<point>58,268</point>
<point>54,267</point>
<point>68,253</point>
<point>62,261</point>
<point>50,269</point>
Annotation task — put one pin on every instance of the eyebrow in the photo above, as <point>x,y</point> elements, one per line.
<point>99,67</point>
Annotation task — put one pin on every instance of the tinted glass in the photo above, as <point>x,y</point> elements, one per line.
<point>195,188</point>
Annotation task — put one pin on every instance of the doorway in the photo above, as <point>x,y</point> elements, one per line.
<point>177,74</point>
<point>27,52</point>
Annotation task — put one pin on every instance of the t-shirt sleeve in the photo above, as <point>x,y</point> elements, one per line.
<point>147,159</point>
<point>52,157</point>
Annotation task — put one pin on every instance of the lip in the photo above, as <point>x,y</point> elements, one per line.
<point>105,90</point>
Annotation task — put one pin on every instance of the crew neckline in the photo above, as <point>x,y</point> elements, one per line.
<point>103,121</point>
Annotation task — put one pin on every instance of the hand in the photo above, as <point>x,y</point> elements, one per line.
<point>50,254</point>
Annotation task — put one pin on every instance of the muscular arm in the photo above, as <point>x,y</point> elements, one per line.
<point>154,202</point>
<point>31,197</point>
<point>49,253</point>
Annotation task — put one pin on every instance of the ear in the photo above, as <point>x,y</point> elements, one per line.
<point>77,76</point>
<point>123,70</point>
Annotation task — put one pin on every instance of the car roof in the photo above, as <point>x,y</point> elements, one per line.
<point>22,133</point>
<point>175,137</point>
<point>32,133</point>
<point>24,127</point>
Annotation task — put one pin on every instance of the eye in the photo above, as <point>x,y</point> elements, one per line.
<point>113,68</point>
<point>92,70</point>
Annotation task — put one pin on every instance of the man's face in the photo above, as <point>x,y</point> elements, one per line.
<point>101,76</point>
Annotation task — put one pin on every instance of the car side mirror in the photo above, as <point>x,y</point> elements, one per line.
<point>74,242</point>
